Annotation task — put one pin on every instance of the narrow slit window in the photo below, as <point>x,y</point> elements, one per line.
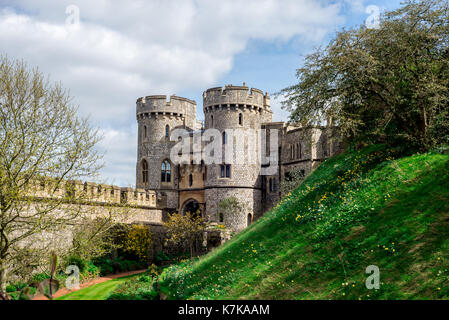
<point>144,171</point>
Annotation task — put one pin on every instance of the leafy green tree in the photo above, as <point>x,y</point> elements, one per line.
<point>387,84</point>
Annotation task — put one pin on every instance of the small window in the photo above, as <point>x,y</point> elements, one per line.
<point>271,185</point>
<point>240,119</point>
<point>275,185</point>
<point>225,171</point>
<point>190,180</point>
<point>165,171</point>
<point>144,131</point>
<point>250,219</point>
<point>212,121</point>
<point>167,131</point>
<point>224,137</point>
<point>221,218</point>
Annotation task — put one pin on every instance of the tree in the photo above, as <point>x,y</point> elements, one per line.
<point>43,146</point>
<point>94,237</point>
<point>389,84</point>
<point>136,240</point>
<point>186,229</point>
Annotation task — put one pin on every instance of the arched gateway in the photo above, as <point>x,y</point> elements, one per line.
<point>193,207</point>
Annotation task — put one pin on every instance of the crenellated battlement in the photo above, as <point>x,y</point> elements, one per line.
<point>91,192</point>
<point>158,104</point>
<point>235,95</point>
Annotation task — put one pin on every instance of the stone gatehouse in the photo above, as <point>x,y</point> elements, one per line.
<point>197,186</point>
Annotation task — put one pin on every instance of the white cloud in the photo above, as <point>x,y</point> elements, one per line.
<point>124,50</point>
<point>120,145</point>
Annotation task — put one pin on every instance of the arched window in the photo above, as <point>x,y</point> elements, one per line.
<point>212,121</point>
<point>221,217</point>
<point>250,219</point>
<point>165,171</point>
<point>167,131</point>
<point>144,171</point>
<point>224,137</point>
<point>190,180</point>
<point>240,119</point>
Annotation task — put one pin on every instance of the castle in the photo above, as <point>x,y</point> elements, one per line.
<point>198,186</point>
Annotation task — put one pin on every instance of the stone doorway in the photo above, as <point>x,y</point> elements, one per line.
<point>193,207</point>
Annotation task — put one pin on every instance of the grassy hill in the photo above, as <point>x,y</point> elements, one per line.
<point>357,209</point>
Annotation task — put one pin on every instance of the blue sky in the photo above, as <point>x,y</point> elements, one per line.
<point>122,50</point>
<point>271,65</point>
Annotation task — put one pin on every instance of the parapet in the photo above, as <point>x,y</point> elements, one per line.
<point>158,104</point>
<point>91,192</point>
<point>236,95</point>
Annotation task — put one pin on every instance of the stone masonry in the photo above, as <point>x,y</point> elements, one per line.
<point>200,186</point>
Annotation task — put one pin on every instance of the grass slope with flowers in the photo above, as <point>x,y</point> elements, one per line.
<point>361,208</point>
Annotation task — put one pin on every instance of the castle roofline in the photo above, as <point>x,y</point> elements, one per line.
<point>164,97</point>
<point>233,87</point>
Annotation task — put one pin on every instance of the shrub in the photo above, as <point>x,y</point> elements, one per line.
<point>161,256</point>
<point>11,288</point>
<point>145,279</point>
<point>106,269</point>
<point>39,277</point>
<point>77,261</point>
<point>140,288</point>
<point>92,268</point>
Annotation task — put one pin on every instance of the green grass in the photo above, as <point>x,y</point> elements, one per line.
<point>362,208</point>
<point>99,291</point>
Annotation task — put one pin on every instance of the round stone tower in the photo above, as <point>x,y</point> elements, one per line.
<point>156,117</point>
<point>236,112</point>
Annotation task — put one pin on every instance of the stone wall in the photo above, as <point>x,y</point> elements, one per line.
<point>226,109</point>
